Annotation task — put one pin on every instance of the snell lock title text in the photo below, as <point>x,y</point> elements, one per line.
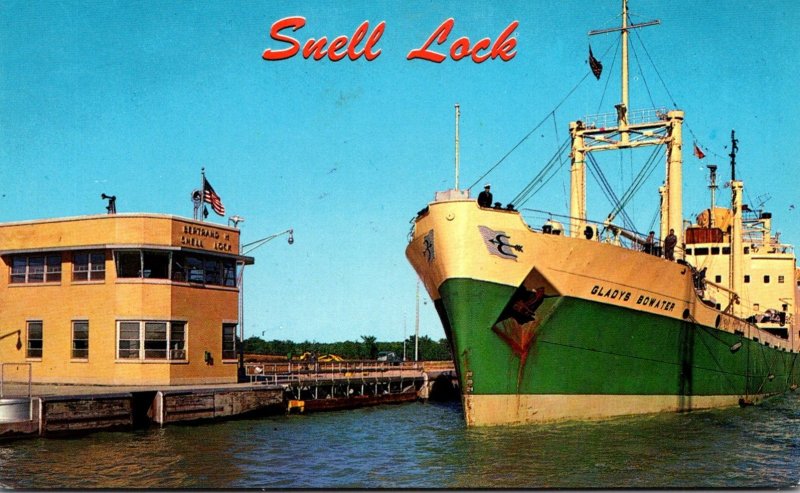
<point>363,43</point>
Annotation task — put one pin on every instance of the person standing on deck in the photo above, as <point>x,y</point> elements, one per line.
<point>648,243</point>
<point>485,197</point>
<point>669,245</point>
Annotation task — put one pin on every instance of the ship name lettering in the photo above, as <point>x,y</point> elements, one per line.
<point>614,294</point>
<point>653,302</point>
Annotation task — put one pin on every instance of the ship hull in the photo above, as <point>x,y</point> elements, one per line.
<point>565,328</point>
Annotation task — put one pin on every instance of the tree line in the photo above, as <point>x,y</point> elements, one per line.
<point>366,348</point>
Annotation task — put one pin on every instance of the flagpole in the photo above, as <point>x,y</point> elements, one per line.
<point>202,192</point>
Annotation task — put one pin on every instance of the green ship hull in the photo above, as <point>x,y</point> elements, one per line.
<point>572,346</point>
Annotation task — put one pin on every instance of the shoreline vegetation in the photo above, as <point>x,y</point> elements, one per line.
<point>368,347</point>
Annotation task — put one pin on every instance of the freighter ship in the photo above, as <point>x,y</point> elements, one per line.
<point>591,320</point>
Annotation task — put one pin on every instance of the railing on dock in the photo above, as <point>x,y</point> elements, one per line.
<point>3,376</point>
<point>12,409</point>
<point>290,372</point>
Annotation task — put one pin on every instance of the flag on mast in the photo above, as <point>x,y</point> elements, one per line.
<point>210,196</point>
<point>595,64</point>
<point>698,152</point>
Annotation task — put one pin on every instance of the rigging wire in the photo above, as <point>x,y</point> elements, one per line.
<point>641,72</point>
<point>531,188</point>
<point>641,178</point>
<point>560,164</point>
<point>546,117</point>
<point>607,189</point>
<point>608,79</point>
<point>656,68</point>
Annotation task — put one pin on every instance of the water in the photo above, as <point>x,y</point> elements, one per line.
<point>425,446</point>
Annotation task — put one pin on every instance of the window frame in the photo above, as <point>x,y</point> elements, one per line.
<point>145,346</point>
<point>233,349</point>
<point>204,270</point>
<point>29,338</point>
<point>92,272</point>
<point>48,272</point>
<point>74,340</point>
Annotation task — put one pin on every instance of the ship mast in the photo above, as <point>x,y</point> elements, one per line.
<point>458,114</point>
<point>736,279</point>
<point>633,129</point>
<point>712,169</point>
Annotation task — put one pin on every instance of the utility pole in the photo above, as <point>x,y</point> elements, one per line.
<point>416,329</point>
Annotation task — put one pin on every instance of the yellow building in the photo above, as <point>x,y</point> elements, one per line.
<point>128,299</point>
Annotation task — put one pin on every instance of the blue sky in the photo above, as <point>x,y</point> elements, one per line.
<point>132,98</point>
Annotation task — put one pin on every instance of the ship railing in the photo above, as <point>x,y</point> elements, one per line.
<point>635,117</point>
<point>603,231</point>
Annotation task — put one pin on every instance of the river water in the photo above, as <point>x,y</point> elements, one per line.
<point>425,445</point>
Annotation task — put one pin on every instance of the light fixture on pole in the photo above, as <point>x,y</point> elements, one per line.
<point>236,219</point>
<point>250,247</point>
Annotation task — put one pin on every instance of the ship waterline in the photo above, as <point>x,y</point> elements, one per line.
<point>493,410</point>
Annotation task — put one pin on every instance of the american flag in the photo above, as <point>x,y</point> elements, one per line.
<point>210,196</point>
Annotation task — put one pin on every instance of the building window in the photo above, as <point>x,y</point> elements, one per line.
<point>35,339</point>
<point>177,340</point>
<point>714,250</point>
<point>746,278</point>
<point>162,340</point>
<point>701,251</point>
<point>688,251</point>
<point>203,269</point>
<point>155,265</point>
<point>780,279</point>
<point>143,264</point>
<point>726,250</point>
<point>88,266</point>
<point>80,339</point>
<point>766,279</point>
<point>128,340</point>
<point>228,341</point>
<point>129,264</point>
<point>717,279</point>
<point>35,268</point>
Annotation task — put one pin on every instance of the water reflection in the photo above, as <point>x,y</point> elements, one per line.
<point>423,446</point>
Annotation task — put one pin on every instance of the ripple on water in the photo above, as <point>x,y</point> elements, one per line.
<point>422,446</point>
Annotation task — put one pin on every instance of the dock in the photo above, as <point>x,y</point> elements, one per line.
<point>39,409</point>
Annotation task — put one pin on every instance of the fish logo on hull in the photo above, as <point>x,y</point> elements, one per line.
<point>498,243</point>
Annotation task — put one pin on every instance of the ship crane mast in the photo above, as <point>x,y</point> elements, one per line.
<point>631,130</point>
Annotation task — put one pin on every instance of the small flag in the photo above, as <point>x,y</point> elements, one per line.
<point>210,196</point>
<point>698,152</point>
<point>594,63</point>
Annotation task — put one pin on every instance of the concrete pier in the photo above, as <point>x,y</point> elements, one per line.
<point>271,389</point>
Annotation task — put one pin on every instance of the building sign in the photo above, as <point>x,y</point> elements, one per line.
<point>205,238</point>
